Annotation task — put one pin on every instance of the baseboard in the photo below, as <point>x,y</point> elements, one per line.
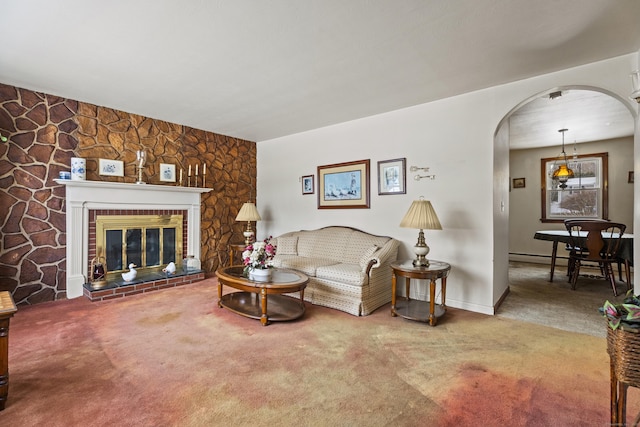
<point>501,299</point>
<point>476,308</point>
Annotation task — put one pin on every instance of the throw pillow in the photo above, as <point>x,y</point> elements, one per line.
<point>287,245</point>
<point>367,255</point>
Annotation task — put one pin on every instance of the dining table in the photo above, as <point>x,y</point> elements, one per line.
<point>555,236</point>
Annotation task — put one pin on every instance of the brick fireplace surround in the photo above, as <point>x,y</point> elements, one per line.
<point>85,197</point>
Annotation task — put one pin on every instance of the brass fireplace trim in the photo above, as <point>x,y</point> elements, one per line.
<point>105,223</point>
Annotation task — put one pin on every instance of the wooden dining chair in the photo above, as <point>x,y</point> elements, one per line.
<point>569,246</point>
<point>596,243</point>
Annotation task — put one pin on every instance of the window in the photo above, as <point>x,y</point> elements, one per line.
<point>586,195</point>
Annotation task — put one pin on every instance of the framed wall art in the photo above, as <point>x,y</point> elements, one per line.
<point>392,177</point>
<point>111,167</point>
<point>518,183</point>
<point>307,184</point>
<point>167,172</point>
<point>344,185</point>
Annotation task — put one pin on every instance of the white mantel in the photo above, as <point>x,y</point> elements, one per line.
<point>83,196</point>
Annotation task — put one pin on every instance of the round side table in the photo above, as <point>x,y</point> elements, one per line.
<point>422,311</point>
<point>235,248</point>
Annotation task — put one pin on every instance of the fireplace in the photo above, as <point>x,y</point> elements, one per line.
<point>86,200</point>
<point>147,239</point>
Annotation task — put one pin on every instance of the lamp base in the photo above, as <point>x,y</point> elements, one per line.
<point>421,261</point>
<point>248,237</point>
<point>421,250</point>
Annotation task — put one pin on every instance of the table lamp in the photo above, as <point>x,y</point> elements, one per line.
<point>421,216</point>
<point>248,212</point>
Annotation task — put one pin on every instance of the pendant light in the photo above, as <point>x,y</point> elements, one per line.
<point>563,173</point>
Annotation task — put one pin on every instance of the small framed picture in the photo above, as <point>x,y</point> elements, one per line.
<point>630,179</point>
<point>307,184</point>
<point>392,176</point>
<point>111,167</point>
<point>167,172</point>
<point>518,183</point>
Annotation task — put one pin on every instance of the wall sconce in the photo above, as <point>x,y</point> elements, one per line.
<point>419,177</point>
<point>635,82</point>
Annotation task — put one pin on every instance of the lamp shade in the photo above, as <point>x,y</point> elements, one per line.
<point>248,212</point>
<point>421,215</point>
<point>563,173</point>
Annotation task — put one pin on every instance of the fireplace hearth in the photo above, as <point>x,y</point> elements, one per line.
<point>147,281</point>
<point>114,198</point>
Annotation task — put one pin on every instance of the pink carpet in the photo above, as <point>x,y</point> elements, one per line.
<point>173,358</point>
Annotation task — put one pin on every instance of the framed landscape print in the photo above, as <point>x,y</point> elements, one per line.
<point>344,185</point>
<point>392,177</point>
<point>518,182</point>
<point>307,184</point>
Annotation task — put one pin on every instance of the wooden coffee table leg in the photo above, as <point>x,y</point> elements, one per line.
<point>263,303</point>
<point>219,293</point>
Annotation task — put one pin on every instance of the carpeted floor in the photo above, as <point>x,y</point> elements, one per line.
<point>532,298</point>
<point>173,358</point>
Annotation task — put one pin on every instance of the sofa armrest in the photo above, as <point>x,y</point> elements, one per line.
<point>385,255</point>
<point>369,266</point>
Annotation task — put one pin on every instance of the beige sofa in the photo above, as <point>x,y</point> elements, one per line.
<point>348,269</point>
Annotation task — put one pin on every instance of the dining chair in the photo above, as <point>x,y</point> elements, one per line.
<point>570,247</point>
<point>595,242</point>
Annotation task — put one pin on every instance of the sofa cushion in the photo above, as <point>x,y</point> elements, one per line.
<point>307,266</point>
<point>287,245</point>
<point>367,256</point>
<point>350,274</point>
<point>323,243</point>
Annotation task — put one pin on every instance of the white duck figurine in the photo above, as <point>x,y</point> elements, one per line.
<point>170,268</point>
<point>131,274</point>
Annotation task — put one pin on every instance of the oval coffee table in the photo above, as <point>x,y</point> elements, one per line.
<point>263,300</point>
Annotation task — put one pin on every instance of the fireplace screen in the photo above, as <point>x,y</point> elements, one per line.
<point>148,241</point>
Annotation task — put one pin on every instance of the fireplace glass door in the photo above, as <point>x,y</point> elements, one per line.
<point>148,241</point>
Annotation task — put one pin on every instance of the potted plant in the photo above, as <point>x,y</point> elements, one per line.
<point>625,315</point>
<point>257,259</point>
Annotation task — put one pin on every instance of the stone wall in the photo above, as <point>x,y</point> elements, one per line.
<point>45,131</point>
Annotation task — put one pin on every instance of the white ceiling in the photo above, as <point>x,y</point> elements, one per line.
<point>258,69</point>
<point>586,114</point>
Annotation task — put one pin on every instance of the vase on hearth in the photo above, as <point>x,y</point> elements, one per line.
<point>191,264</point>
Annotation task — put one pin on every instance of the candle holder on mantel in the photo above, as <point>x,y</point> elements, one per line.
<point>141,157</point>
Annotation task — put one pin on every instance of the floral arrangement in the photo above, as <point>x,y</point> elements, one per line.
<point>625,314</point>
<point>258,255</point>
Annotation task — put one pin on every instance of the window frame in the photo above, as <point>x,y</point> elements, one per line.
<point>604,187</point>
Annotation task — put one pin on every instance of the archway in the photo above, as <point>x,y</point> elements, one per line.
<point>503,193</point>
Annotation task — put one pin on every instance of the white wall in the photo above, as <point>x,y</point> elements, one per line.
<point>455,138</point>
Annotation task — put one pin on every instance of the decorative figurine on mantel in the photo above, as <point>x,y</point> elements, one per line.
<point>131,274</point>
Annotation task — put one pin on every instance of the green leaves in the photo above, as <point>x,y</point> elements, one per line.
<point>627,313</point>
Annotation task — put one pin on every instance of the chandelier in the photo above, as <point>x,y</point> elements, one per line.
<point>562,173</point>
